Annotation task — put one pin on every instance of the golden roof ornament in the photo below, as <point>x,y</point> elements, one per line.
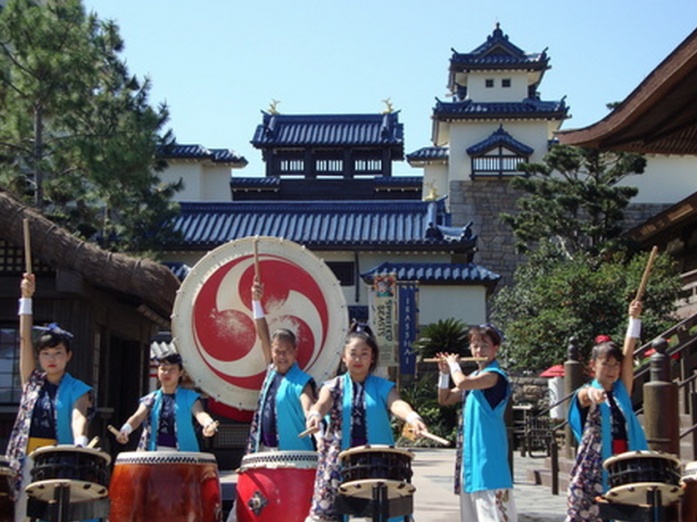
<point>273,105</point>
<point>432,191</point>
<point>388,106</point>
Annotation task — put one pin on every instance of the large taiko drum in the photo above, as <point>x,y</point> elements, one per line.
<point>363,467</point>
<point>165,486</point>
<point>213,327</point>
<point>688,502</point>
<point>7,503</point>
<point>275,486</point>
<point>85,470</point>
<point>633,474</point>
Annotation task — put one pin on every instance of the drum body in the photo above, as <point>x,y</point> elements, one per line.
<point>688,502</point>
<point>165,486</point>
<point>275,485</point>
<point>86,470</point>
<point>364,466</point>
<point>633,474</point>
<point>7,503</point>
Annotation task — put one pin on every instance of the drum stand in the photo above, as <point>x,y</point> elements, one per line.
<point>380,508</point>
<point>60,509</point>
<point>652,511</point>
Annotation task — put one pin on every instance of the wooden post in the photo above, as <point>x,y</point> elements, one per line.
<point>573,379</point>
<point>661,419</point>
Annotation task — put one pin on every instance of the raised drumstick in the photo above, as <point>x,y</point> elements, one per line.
<point>647,271</point>
<point>113,430</point>
<point>257,272</point>
<point>307,432</point>
<point>27,247</point>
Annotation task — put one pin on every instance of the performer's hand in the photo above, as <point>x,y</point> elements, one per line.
<point>257,290</point>
<point>28,285</point>
<point>596,395</point>
<point>210,429</point>
<point>122,437</point>
<point>442,363</point>
<point>635,309</point>
<point>313,420</point>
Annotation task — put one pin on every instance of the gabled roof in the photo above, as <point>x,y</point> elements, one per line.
<point>325,225</point>
<point>500,138</point>
<point>436,273</point>
<point>375,130</point>
<point>659,116</point>
<point>274,182</point>
<point>498,53</point>
<point>429,155</point>
<point>528,108</point>
<point>201,153</point>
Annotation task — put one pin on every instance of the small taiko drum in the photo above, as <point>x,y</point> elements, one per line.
<point>275,485</point>
<point>634,474</point>
<point>363,467</point>
<point>7,503</point>
<point>165,486</point>
<point>84,470</point>
<point>688,502</point>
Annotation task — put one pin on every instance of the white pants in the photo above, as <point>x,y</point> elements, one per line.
<point>21,500</point>
<point>493,505</point>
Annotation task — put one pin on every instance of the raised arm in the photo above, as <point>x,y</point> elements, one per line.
<point>630,342</point>
<point>27,362</point>
<point>260,323</point>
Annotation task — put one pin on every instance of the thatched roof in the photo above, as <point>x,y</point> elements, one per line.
<point>153,283</point>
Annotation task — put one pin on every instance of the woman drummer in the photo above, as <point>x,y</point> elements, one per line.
<point>603,420</point>
<point>358,404</point>
<point>167,413</point>
<point>53,407</point>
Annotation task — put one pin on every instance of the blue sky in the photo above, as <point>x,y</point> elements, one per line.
<point>218,63</point>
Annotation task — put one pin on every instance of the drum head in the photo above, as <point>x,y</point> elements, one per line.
<point>643,454</point>
<point>164,457</point>
<point>364,488</point>
<point>213,328</point>
<point>79,490</point>
<point>56,451</point>
<point>375,448</point>
<point>279,460</point>
<point>637,494</point>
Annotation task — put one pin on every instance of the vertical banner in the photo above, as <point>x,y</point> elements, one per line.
<point>383,313</point>
<point>407,326</point>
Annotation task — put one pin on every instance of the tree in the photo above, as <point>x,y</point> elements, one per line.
<point>76,131</point>
<point>574,198</point>
<point>446,335</point>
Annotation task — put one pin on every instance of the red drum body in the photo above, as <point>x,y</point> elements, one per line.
<point>165,486</point>
<point>363,467</point>
<point>275,486</point>
<point>7,503</point>
<point>633,474</point>
<point>688,502</point>
<point>85,470</point>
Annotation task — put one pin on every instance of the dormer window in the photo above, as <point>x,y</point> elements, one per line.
<point>506,82</point>
<point>498,155</point>
<point>489,83</point>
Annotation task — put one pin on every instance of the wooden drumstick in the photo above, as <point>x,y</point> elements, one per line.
<point>27,247</point>
<point>257,272</point>
<point>431,436</point>
<point>308,431</point>
<point>647,271</point>
<point>462,359</point>
<point>93,443</point>
<point>113,430</point>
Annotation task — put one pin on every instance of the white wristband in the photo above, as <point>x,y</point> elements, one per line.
<point>257,310</point>
<point>24,306</point>
<point>634,327</point>
<point>313,413</point>
<point>81,440</point>
<point>412,417</point>
<point>126,428</point>
<point>454,367</point>
<point>444,381</point>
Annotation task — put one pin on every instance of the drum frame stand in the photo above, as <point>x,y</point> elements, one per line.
<point>60,509</point>
<point>380,508</point>
<point>653,511</point>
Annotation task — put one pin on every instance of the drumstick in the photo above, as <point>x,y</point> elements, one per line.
<point>647,271</point>
<point>431,436</point>
<point>257,273</point>
<point>93,443</point>
<point>27,247</point>
<point>308,431</point>
<point>113,430</point>
<point>462,359</point>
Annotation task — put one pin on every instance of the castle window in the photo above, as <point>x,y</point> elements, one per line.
<point>506,82</point>
<point>498,162</point>
<point>489,83</point>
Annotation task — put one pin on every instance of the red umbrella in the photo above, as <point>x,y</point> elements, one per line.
<point>554,371</point>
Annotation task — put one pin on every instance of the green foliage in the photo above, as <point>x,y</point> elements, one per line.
<point>573,199</point>
<point>555,297</point>
<point>446,335</point>
<point>77,135</point>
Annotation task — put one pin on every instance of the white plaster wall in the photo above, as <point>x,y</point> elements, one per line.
<point>191,173</point>
<point>477,90</point>
<point>216,183</point>
<point>667,179</point>
<point>467,303</point>
<point>435,175</point>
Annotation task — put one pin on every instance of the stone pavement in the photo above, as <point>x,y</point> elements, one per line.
<point>435,501</point>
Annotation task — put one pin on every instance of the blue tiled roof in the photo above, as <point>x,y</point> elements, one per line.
<point>435,273</point>
<point>179,269</point>
<point>324,224</point>
<point>398,181</point>
<point>429,154</point>
<point>278,130</point>
<point>199,152</point>
<point>500,137</point>
<point>267,182</point>
<point>272,182</point>
<point>529,107</point>
<point>498,52</point>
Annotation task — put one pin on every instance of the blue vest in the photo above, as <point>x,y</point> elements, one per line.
<point>186,436</point>
<point>290,417</point>
<point>485,442</point>
<point>69,390</point>
<point>376,414</point>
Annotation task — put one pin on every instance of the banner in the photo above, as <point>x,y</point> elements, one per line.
<point>407,326</point>
<point>383,317</point>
